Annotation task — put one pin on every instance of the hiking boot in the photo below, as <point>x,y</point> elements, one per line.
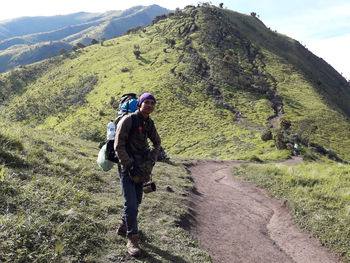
<point>122,230</point>
<point>133,246</point>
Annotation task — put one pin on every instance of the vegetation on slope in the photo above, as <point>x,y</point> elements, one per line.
<point>318,195</point>
<point>205,70</point>
<point>23,54</point>
<point>56,205</point>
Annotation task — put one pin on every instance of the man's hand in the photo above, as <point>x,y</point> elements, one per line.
<point>134,171</point>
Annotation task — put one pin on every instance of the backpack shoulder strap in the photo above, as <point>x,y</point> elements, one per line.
<point>134,125</point>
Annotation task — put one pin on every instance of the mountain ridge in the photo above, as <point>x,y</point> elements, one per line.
<point>70,29</point>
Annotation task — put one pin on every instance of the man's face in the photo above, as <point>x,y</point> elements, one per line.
<point>148,106</point>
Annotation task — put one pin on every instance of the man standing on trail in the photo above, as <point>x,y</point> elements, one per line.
<point>136,160</point>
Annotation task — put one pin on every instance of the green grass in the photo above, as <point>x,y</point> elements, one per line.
<point>306,108</point>
<point>201,78</point>
<point>317,193</point>
<point>56,205</point>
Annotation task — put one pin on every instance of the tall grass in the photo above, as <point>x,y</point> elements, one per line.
<point>56,205</point>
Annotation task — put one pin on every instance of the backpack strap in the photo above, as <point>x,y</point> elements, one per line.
<point>135,123</point>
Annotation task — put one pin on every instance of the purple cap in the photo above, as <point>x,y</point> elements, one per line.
<point>145,96</point>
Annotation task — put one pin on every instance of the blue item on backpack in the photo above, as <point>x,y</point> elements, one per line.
<point>129,106</point>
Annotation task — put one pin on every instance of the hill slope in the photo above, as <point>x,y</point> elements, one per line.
<point>30,39</point>
<point>57,205</point>
<point>215,69</point>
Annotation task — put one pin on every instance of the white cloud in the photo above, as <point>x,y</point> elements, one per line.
<point>328,21</point>
<point>324,29</point>
<point>334,51</point>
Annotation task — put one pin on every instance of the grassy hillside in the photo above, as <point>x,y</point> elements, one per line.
<point>23,54</point>
<point>317,194</point>
<point>56,204</point>
<point>331,86</point>
<point>205,69</point>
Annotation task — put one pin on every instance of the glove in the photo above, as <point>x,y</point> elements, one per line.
<point>135,173</point>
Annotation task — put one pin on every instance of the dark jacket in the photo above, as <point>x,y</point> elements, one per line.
<point>131,145</point>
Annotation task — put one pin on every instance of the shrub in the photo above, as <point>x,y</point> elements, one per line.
<point>266,136</point>
<point>281,139</point>
<point>133,30</point>
<point>285,124</point>
<point>94,41</point>
<point>137,53</point>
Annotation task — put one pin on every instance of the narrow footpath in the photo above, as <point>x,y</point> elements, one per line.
<point>238,222</point>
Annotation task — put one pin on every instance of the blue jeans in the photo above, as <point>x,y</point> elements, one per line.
<point>132,194</point>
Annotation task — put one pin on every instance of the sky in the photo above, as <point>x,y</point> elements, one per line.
<point>323,26</point>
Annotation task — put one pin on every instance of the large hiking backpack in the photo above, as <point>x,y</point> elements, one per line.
<point>127,105</point>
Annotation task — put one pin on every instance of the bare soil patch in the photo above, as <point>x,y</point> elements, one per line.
<point>237,222</point>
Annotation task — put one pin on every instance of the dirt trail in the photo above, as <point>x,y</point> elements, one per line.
<point>237,222</point>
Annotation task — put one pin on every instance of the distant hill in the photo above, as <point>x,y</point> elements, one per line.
<point>220,77</point>
<point>27,40</point>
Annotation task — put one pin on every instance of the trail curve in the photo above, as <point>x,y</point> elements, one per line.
<point>238,222</point>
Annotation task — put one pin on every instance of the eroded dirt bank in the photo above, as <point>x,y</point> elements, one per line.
<point>237,222</point>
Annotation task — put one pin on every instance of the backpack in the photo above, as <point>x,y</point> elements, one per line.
<point>127,105</point>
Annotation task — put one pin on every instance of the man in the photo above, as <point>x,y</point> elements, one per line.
<point>136,163</point>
